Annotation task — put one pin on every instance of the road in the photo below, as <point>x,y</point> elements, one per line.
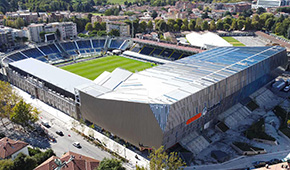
<point>64,143</point>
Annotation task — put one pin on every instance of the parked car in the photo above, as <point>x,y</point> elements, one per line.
<point>59,133</point>
<point>273,161</point>
<point>258,164</point>
<point>45,123</point>
<point>287,88</point>
<point>77,145</point>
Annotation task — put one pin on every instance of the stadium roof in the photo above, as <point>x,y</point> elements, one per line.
<point>171,82</point>
<point>206,39</point>
<point>51,74</point>
<point>169,46</point>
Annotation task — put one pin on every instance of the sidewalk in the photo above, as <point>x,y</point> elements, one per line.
<point>68,122</point>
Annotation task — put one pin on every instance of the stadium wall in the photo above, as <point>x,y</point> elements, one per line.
<point>200,110</point>
<point>133,122</point>
<point>40,90</point>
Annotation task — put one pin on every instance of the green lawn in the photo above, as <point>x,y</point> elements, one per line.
<point>99,14</point>
<point>120,1</point>
<point>233,41</point>
<point>93,68</point>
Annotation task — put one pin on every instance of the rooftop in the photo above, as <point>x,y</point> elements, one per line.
<point>173,81</point>
<point>9,147</point>
<point>80,162</point>
<point>51,74</point>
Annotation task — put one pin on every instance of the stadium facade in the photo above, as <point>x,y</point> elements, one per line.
<point>163,104</point>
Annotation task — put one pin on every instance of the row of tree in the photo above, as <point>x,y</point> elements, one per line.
<point>265,21</point>
<point>13,107</point>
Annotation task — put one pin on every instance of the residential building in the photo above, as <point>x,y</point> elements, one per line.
<point>71,161</point>
<point>123,28</point>
<point>97,18</point>
<point>68,30</point>
<point>33,32</point>
<point>6,40</point>
<point>10,148</point>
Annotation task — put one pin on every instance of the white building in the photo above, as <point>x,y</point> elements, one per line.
<point>123,28</point>
<point>271,3</point>
<point>68,30</point>
<point>33,32</point>
<point>10,148</point>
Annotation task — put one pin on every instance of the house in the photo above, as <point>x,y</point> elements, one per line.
<point>10,148</point>
<point>69,161</point>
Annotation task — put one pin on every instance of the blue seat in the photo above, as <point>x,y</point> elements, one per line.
<point>146,50</point>
<point>156,52</point>
<point>84,44</point>
<point>166,53</point>
<point>69,46</point>
<point>175,55</point>
<point>16,57</point>
<point>33,52</point>
<point>116,43</point>
<point>99,43</point>
<point>49,49</point>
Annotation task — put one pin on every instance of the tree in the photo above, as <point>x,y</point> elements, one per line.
<point>227,27</point>
<point>170,24</point>
<point>212,26</point>
<point>261,10</point>
<point>112,163</point>
<point>150,25</point>
<point>220,25</point>
<point>89,27</point>
<point>6,164</point>
<point>23,161</point>
<point>24,114</point>
<point>204,25</point>
<point>160,160</point>
<point>97,26</point>
<point>234,25</point>
<point>154,14</point>
<point>288,33</point>
<point>161,25</point>
<point>143,26</point>
<point>176,27</point>
<point>183,27</point>
<point>114,32</point>
<point>241,24</point>
<point>19,22</point>
<point>8,98</point>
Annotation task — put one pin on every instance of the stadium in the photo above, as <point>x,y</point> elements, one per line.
<point>153,105</point>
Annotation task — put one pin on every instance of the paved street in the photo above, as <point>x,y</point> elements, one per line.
<point>60,121</point>
<point>64,143</point>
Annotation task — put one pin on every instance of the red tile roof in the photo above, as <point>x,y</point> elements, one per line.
<point>9,147</point>
<point>79,162</point>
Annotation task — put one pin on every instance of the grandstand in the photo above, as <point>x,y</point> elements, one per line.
<point>59,51</point>
<point>161,50</point>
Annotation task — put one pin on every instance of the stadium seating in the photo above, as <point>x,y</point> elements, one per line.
<point>116,43</point>
<point>33,53</point>
<point>156,52</point>
<point>49,49</point>
<point>99,43</point>
<point>175,56</point>
<point>124,45</point>
<point>69,46</point>
<point>72,52</point>
<point>166,53</point>
<point>146,50</point>
<point>16,56</point>
<point>82,51</point>
<point>84,44</point>
<point>136,49</point>
<point>42,59</point>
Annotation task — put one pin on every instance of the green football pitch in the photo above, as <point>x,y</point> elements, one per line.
<point>93,68</point>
